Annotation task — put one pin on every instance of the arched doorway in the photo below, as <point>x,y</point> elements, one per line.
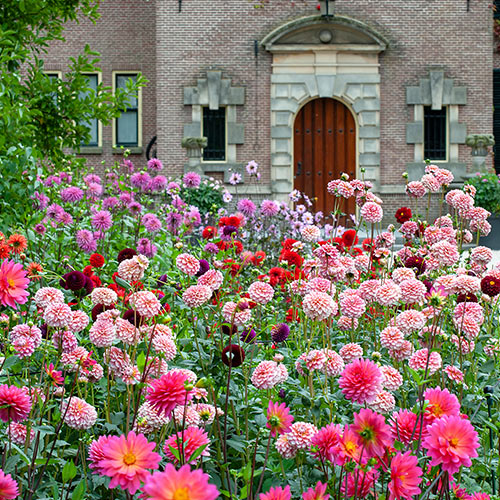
<point>324,147</point>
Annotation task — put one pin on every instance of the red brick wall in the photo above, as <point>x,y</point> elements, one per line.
<point>125,37</point>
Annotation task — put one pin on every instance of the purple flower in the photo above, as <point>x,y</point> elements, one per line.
<point>110,203</point>
<point>71,194</point>
<point>227,196</point>
<point>128,165</point>
<point>64,218</point>
<point>211,248</point>
<point>269,208</point>
<point>94,190</point>
<point>151,223</point>
<point>40,229</point>
<point>85,240</point>
<point>204,267</point>
<point>146,247</point>
<point>41,202</point>
<point>155,164</point>
<point>192,217</point>
<point>248,335</point>
<point>158,183</point>
<point>126,197</point>
<point>102,220</point>
<point>280,332</point>
<point>174,221</point>
<point>246,207</point>
<point>235,178</point>
<point>140,180</point>
<point>252,167</point>
<point>53,210</point>
<point>191,180</point>
<point>92,179</point>
<point>135,207</point>
<point>173,188</point>
<point>178,203</point>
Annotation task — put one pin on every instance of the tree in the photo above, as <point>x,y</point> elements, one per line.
<point>42,121</point>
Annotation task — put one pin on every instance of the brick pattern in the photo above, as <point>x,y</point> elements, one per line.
<point>173,49</point>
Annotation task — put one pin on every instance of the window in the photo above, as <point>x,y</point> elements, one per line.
<point>53,76</point>
<point>214,129</point>
<point>435,133</point>
<point>496,9</point>
<point>92,124</point>
<point>127,125</point>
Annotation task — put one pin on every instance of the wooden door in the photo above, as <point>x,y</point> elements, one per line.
<point>324,148</point>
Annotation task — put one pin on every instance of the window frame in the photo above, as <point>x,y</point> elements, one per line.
<point>225,137</point>
<point>447,131</point>
<point>99,123</point>
<point>118,147</point>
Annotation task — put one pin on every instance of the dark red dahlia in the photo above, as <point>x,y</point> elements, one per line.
<point>96,260</point>
<point>75,280</point>
<point>490,285</point>
<point>350,237</point>
<point>125,254</point>
<point>466,297</point>
<point>233,355</point>
<point>416,263</point>
<point>403,214</point>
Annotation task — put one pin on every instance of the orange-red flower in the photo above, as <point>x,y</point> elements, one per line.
<point>17,243</point>
<point>34,270</point>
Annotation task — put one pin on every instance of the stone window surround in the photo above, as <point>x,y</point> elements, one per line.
<point>436,91</point>
<point>214,92</point>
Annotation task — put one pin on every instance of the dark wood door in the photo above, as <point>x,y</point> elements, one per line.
<point>324,148</point>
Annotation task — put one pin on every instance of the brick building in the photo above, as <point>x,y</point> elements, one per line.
<point>378,85</point>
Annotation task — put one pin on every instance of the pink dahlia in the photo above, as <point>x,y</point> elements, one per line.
<point>188,263</point>
<point>383,403</point>
<point>372,212</point>
<point>13,284</point>
<point>278,418</point>
<point>268,374</point>
<point>261,292</point>
<point>359,483</point>
<point>126,460</point>
<point>285,448</point>
<point>8,487</point>
<point>145,303</point>
<point>392,379</point>
<point>235,315</point>
<point>451,441</point>
<point>319,306</point>
<point>78,414</point>
<point>47,295</point>
<point>405,427</point>
<point>406,475</point>
<point>317,493</point>
<point>412,291</point>
<point>15,404</point>
<point>350,352</point>
<point>212,278</point>
<point>388,294</point>
<point>58,315</point>
<point>373,433</point>
<point>361,381</point>
<point>440,403</point>
<point>277,493</point>
<point>391,338</point>
<point>196,295</point>
<point>179,484</point>
<point>410,320</point>
<point>454,373</point>
<point>352,306</point>
<point>326,442</point>
<point>189,440</point>
<point>167,392</point>
<point>301,434</point>
<point>422,360</point>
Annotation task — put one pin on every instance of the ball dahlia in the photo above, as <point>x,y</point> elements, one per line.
<point>361,381</point>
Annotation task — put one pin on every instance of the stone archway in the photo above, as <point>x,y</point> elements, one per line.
<point>314,58</point>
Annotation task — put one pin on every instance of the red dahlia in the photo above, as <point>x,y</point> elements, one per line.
<point>490,285</point>
<point>403,215</point>
<point>96,260</point>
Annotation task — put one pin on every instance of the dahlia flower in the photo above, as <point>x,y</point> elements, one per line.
<point>374,434</point>
<point>182,483</point>
<point>15,404</point>
<point>404,426</point>
<point>361,381</point>
<point>326,442</point>
<point>451,442</point>
<point>78,414</point>
<point>13,284</point>
<point>168,391</point>
<point>301,434</point>
<point>319,306</point>
<point>406,475</point>
<point>278,418</point>
<point>189,440</point>
<point>126,460</point>
<point>261,292</point>
<point>440,403</point>
<point>285,448</point>
<point>359,483</point>
<point>8,487</point>
<point>188,264</point>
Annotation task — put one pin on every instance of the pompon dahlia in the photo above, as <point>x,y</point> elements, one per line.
<point>277,493</point>
<point>261,292</point>
<point>125,459</point>
<point>196,295</point>
<point>404,426</point>
<point>392,378</point>
<point>374,434</point>
<point>319,306</point>
<point>15,404</point>
<point>234,315</point>
<point>280,332</point>
<point>384,402</point>
<point>421,360</point>
<point>301,434</point>
<point>8,487</point>
<point>179,484</point>
<point>285,448</point>
<point>189,440</point>
<point>350,352</point>
<point>78,414</point>
<point>58,315</point>
<point>13,284</point>
<point>48,295</point>
<point>168,391</point>
<point>145,303</point>
<point>451,442</point>
<point>212,278</point>
<point>267,374</point>
<point>391,338</point>
<point>406,475</point>
<point>188,264</point>
<point>361,381</point>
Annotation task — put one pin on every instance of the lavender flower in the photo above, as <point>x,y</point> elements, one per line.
<point>246,207</point>
<point>71,194</point>
<point>235,178</point>
<point>151,223</point>
<point>85,241</point>
<point>155,164</point>
<point>191,180</point>
<point>269,208</point>
<point>252,167</point>
<point>102,220</point>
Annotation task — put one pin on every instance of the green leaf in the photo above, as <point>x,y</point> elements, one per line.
<point>69,471</point>
<point>122,283</point>
<point>79,491</point>
<point>175,452</point>
<point>141,361</point>
<point>197,452</point>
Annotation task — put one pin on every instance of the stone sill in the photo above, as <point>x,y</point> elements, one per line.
<point>89,150</point>
<point>133,150</point>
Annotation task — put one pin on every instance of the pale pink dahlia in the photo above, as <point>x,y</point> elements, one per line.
<point>187,263</point>
<point>454,373</point>
<point>481,255</point>
<point>345,324</point>
<point>410,320</point>
<point>310,233</point>
<point>445,253</point>
<point>78,414</point>
<point>79,321</point>
<point>352,306</point>
<point>104,296</point>
<point>361,381</point>
<point>284,447</point>
<point>372,212</point>
<point>145,303</point>
<point>102,333</point>
<point>416,189</point>
<point>383,403</point>
<point>319,306</point>
<point>212,278</point>
<point>58,314</point>
<point>196,295</point>
<point>391,338</point>
<point>234,315</point>
<point>267,374</point>
<point>412,291</point>
<point>261,292</point>
<point>422,359</point>
<point>388,293</point>
<point>334,364</point>
<point>402,273</point>
<point>392,378</point>
<point>318,285</point>
<point>315,360</point>
<point>350,352</point>
<point>48,295</point>
<point>18,433</point>
<point>301,434</point>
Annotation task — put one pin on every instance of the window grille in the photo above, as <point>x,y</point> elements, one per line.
<point>496,117</point>
<point>127,124</point>
<point>435,133</point>
<point>214,129</point>
<point>92,124</point>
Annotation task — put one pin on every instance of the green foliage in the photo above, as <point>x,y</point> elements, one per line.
<point>487,192</point>
<point>207,196</point>
<point>42,120</point>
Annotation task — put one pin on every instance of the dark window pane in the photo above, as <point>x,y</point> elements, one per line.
<point>496,117</point>
<point>121,83</point>
<point>92,124</point>
<point>214,129</point>
<point>496,9</point>
<point>435,139</point>
<point>53,77</point>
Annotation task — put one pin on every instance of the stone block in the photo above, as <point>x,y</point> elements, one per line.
<point>236,133</point>
<point>437,85</point>
<point>366,105</point>
<point>354,92</point>
<point>280,159</point>
<point>368,118</point>
<point>325,85</point>
<point>281,132</point>
<point>284,105</point>
<point>298,92</point>
<point>225,86</point>
<point>369,159</point>
<point>458,133</point>
<point>281,91</point>
<point>192,129</point>
<point>190,96</point>
<point>459,96</point>
<point>339,86</point>
<point>282,145</point>
<point>281,186</point>
<point>370,91</point>
<point>370,132</point>
<point>425,92</point>
<point>371,146</point>
<point>414,133</point>
<point>363,78</point>
<point>202,92</point>
<point>282,118</point>
<point>447,91</point>
<point>413,95</point>
<point>214,85</point>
